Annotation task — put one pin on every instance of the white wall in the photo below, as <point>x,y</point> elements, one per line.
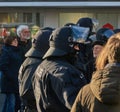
<point>51,19</point>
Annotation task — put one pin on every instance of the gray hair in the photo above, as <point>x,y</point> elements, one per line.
<point>20,28</point>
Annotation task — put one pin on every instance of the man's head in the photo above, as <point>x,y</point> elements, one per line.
<point>59,42</point>
<point>40,43</point>
<point>63,41</point>
<point>97,47</point>
<point>23,32</point>
<point>103,34</point>
<point>90,23</point>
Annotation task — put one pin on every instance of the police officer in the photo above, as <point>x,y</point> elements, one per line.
<point>85,53</point>
<point>57,81</point>
<point>40,45</point>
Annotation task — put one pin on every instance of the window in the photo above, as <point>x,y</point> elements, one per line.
<point>9,17</point>
<point>27,17</point>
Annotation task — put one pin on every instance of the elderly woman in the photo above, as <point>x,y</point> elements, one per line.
<point>103,92</point>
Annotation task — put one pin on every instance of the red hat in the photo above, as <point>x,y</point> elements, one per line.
<point>108,25</point>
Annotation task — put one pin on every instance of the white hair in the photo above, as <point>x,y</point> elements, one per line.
<point>20,28</point>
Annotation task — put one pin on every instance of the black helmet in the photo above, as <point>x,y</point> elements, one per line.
<point>90,23</point>
<point>104,34</point>
<point>40,43</point>
<point>85,22</point>
<point>63,39</point>
<point>59,42</point>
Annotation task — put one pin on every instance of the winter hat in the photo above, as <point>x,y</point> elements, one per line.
<point>108,25</point>
<point>98,42</point>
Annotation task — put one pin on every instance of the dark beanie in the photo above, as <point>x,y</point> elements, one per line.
<point>98,42</point>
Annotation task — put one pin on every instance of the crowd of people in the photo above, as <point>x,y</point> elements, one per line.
<point>73,68</point>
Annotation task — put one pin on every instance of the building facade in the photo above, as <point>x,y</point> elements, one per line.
<point>56,13</point>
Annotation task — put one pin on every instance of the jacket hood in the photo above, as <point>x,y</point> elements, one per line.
<point>105,84</point>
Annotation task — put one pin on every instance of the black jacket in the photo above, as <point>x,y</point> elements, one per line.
<point>10,62</point>
<point>24,47</point>
<point>33,59</point>
<point>56,85</point>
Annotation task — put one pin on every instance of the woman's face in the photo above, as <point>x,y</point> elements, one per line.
<point>96,50</point>
<point>14,43</point>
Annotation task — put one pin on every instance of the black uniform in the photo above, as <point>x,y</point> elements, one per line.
<point>33,58</point>
<point>57,81</point>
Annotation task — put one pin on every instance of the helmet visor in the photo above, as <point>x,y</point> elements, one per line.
<point>108,33</point>
<point>79,34</point>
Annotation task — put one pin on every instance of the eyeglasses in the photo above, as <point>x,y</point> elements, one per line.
<point>26,31</point>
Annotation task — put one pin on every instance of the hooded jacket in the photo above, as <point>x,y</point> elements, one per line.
<point>102,94</point>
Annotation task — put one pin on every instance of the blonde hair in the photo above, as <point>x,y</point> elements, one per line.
<point>110,53</point>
